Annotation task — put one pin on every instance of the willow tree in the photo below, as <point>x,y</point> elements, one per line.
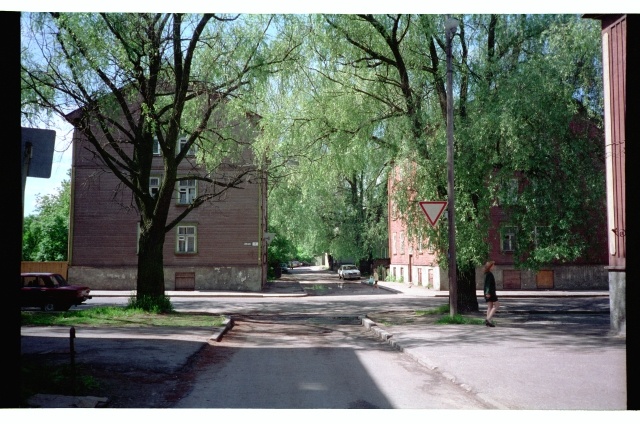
<point>526,90</point>
<point>327,170</point>
<point>136,82</point>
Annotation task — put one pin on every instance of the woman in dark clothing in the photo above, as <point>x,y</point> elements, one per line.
<point>490,293</point>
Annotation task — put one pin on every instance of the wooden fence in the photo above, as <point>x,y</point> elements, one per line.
<point>55,267</point>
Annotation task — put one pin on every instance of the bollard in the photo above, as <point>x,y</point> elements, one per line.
<point>72,350</point>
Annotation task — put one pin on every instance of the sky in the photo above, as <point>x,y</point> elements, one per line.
<point>62,154</point>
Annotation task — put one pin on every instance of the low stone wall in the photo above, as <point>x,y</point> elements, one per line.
<point>216,278</point>
<point>569,277</point>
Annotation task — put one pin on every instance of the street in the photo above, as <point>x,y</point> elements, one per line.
<point>290,361</point>
<point>551,350</point>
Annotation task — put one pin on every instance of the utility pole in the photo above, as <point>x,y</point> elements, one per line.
<point>450,26</point>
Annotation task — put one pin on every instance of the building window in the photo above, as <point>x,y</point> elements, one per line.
<point>187,191</point>
<point>508,240</point>
<point>154,186</point>
<point>509,194</point>
<point>182,142</point>
<point>186,239</point>
<point>430,247</point>
<point>393,244</point>
<point>402,242</point>
<point>156,146</point>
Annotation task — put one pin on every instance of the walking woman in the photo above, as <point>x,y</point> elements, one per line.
<point>490,293</point>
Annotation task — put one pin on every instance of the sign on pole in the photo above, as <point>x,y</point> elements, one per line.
<point>433,210</point>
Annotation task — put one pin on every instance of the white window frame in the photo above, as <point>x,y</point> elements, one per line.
<point>187,191</point>
<point>402,242</point>
<point>154,185</point>
<point>430,247</point>
<point>394,244</point>
<point>187,239</point>
<point>182,141</point>
<point>537,234</point>
<point>508,239</point>
<point>511,192</point>
<point>156,147</point>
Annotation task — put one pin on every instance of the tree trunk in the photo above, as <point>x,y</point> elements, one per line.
<point>467,299</point>
<point>151,263</point>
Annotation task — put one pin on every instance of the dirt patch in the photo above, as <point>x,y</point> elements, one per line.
<point>123,386</point>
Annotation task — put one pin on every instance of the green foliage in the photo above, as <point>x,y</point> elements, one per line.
<point>154,304</point>
<point>45,235</point>
<point>528,105</point>
<point>446,318</point>
<point>120,317</point>
<point>459,319</point>
<point>280,249</point>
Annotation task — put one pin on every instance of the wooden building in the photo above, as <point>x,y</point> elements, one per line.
<point>220,245</point>
<point>616,31</point>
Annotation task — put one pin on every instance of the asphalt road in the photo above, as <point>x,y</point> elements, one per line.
<point>316,361</point>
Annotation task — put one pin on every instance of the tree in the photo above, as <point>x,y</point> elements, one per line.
<point>128,82</point>
<point>46,234</point>
<point>376,83</point>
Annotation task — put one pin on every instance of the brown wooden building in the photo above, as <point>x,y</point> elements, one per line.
<point>218,246</point>
<point>616,32</point>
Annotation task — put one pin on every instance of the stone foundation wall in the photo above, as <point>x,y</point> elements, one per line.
<point>209,278</point>
<point>586,277</point>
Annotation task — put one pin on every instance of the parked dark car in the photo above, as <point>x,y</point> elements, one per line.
<point>50,292</point>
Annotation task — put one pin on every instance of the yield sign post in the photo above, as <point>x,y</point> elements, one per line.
<point>433,210</point>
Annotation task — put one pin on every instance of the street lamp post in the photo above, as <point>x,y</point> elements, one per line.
<point>450,26</point>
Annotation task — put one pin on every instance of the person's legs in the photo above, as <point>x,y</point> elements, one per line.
<point>492,308</point>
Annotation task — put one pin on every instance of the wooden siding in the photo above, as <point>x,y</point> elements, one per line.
<point>104,222</point>
<point>105,233</point>
<point>614,49</point>
<point>55,267</point>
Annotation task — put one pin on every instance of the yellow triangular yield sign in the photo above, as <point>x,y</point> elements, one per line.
<point>433,210</point>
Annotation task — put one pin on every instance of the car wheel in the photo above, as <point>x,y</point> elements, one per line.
<point>48,307</point>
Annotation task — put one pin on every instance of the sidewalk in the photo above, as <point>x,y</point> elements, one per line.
<point>532,359</point>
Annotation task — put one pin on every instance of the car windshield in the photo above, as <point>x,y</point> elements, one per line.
<point>349,267</point>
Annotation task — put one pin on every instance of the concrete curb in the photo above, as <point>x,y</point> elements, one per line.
<point>387,337</point>
<point>228,325</point>
<point>61,401</point>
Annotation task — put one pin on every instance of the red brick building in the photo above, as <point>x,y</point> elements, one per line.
<point>411,261</point>
<point>415,262</point>
<point>218,246</point>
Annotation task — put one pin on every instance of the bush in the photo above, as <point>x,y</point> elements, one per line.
<point>161,304</point>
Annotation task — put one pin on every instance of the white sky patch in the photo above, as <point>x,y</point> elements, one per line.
<point>60,166</point>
